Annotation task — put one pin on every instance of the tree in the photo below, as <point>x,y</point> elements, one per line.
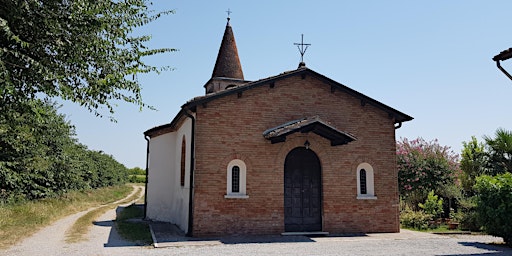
<point>39,156</point>
<point>32,139</point>
<point>136,171</point>
<point>472,164</point>
<point>492,157</point>
<point>500,151</point>
<point>79,50</point>
<point>494,204</point>
<point>424,166</point>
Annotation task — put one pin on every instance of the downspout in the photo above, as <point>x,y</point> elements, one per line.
<point>398,126</point>
<point>146,183</point>
<point>504,55</point>
<point>191,177</point>
<point>503,70</point>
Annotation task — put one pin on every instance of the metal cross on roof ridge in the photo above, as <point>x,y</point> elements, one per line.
<point>229,12</point>
<point>302,50</point>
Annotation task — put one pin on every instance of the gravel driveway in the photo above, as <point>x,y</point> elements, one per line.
<point>104,240</point>
<point>404,243</point>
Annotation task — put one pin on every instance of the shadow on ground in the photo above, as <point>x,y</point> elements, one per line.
<point>278,238</point>
<point>166,233</point>
<point>497,249</point>
<point>114,239</point>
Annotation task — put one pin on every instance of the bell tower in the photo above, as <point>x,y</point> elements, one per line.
<point>227,72</point>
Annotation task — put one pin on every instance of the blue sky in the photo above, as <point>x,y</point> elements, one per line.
<point>428,59</point>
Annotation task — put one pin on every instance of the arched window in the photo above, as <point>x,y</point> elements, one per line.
<point>365,184</point>
<point>183,160</point>
<point>236,175</point>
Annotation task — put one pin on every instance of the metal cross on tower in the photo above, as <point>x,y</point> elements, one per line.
<point>229,13</point>
<point>302,50</point>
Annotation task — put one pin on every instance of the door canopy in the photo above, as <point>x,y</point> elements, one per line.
<point>305,125</point>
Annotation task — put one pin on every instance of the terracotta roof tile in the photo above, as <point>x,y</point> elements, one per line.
<point>228,62</point>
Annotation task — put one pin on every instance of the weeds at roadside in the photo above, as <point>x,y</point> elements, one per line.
<point>130,228</point>
<point>81,226</point>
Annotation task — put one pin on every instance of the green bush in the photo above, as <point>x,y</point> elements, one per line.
<point>433,205</point>
<point>494,204</point>
<point>415,219</point>
<point>137,179</point>
<point>468,217</point>
<point>136,171</point>
<point>469,221</point>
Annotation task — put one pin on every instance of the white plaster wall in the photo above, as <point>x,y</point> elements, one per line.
<point>167,200</point>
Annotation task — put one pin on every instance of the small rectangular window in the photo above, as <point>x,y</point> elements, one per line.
<point>235,179</point>
<point>362,181</point>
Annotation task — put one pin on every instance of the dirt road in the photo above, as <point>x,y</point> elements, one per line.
<point>101,239</point>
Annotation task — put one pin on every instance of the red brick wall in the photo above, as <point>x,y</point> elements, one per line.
<point>231,127</point>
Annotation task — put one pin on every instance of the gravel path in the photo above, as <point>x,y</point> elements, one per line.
<point>104,240</point>
<point>51,240</point>
<point>404,243</point>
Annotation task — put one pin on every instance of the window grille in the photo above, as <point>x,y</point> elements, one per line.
<point>362,181</point>
<point>235,179</point>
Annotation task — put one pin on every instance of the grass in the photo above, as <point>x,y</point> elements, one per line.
<point>81,226</point>
<point>133,230</point>
<point>23,219</point>
<point>440,228</point>
<point>443,228</point>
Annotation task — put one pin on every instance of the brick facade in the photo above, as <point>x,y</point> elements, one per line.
<point>230,127</point>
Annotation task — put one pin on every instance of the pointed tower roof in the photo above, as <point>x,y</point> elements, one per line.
<point>228,64</point>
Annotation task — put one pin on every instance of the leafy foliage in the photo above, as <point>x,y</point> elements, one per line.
<point>136,175</point>
<point>137,178</point>
<point>433,204</point>
<point>473,163</point>
<point>136,171</point>
<point>79,50</point>
<point>424,166</point>
<point>494,204</point>
<point>415,219</point>
<point>499,151</point>
<point>493,157</point>
<point>469,220</point>
<point>482,201</point>
<point>39,156</point>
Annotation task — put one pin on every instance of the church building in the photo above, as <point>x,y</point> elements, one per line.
<point>288,154</point>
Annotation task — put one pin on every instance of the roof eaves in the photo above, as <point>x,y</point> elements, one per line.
<point>399,116</point>
<point>212,96</point>
<point>504,55</point>
<point>225,79</point>
<point>165,128</point>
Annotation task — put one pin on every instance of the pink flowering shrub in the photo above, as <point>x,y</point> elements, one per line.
<point>425,166</point>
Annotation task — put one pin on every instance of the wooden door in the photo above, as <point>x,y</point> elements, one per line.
<point>302,191</point>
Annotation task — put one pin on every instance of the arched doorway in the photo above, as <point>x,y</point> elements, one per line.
<point>302,191</point>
